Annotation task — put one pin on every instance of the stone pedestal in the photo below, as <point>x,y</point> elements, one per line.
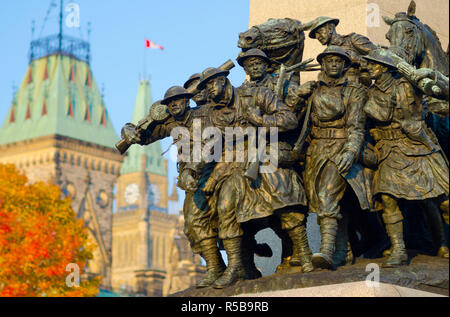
<point>424,273</point>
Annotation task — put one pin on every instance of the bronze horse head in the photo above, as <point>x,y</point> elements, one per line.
<point>281,39</point>
<point>415,41</point>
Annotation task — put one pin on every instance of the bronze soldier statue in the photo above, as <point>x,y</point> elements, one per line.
<point>269,193</point>
<point>337,136</point>
<point>411,162</point>
<point>198,226</point>
<point>255,63</point>
<point>191,84</point>
<point>356,45</point>
<point>324,30</point>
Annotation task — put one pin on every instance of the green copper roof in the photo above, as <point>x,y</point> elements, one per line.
<point>152,152</point>
<point>58,96</point>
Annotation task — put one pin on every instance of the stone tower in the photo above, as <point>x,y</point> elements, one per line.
<point>58,129</point>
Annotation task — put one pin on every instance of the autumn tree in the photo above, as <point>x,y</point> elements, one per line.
<point>39,237</point>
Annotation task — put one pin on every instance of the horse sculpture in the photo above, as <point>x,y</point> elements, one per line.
<point>281,39</point>
<point>419,45</point>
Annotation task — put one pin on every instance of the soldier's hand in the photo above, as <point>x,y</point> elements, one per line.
<point>254,116</point>
<point>421,73</point>
<point>306,89</point>
<point>344,161</point>
<point>188,182</point>
<point>209,186</point>
<point>130,134</point>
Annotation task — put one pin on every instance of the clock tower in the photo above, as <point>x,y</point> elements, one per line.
<point>142,227</point>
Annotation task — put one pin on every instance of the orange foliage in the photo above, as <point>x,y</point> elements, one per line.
<point>39,237</point>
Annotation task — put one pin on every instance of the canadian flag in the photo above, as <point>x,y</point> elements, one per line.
<point>150,44</point>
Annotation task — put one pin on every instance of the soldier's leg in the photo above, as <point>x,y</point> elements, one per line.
<point>393,220</point>
<point>343,252</point>
<point>231,233</point>
<point>198,225</point>
<point>330,188</point>
<point>286,244</point>
<point>444,207</point>
<point>295,225</point>
<point>434,219</point>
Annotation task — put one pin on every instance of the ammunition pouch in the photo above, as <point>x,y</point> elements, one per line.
<point>368,157</point>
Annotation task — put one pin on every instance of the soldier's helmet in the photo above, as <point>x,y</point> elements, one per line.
<point>210,73</point>
<point>193,77</point>
<point>175,92</point>
<point>381,56</point>
<point>335,50</point>
<point>318,23</point>
<point>253,52</point>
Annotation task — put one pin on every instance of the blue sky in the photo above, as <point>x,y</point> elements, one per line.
<point>196,34</point>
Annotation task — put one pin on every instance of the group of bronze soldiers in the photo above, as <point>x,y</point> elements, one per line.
<point>358,129</point>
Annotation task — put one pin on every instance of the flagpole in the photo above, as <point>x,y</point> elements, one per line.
<point>145,53</point>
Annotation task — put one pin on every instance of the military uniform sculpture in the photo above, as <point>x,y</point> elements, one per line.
<point>359,86</point>
<point>411,163</point>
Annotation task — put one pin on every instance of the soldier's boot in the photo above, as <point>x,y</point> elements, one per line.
<point>443,252</point>
<point>444,207</point>
<point>328,230</point>
<point>215,265</point>
<point>301,253</point>
<point>387,252</point>
<point>343,253</point>
<point>235,270</point>
<point>398,254</point>
<point>436,224</point>
<point>284,266</point>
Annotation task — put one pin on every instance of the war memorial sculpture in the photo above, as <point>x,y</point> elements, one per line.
<point>352,146</point>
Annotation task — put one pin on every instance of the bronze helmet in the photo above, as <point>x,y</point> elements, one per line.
<point>193,77</point>
<point>335,50</point>
<point>210,73</point>
<point>175,92</point>
<point>381,56</point>
<point>319,22</point>
<point>253,52</point>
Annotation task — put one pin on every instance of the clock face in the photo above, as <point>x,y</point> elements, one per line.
<point>154,194</point>
<point>131,193</point>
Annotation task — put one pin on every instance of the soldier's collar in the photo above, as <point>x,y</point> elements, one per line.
<point>331,82</point>
<point>187,116</point>
<point>256,83</point>
<point>385,82</point>
<point>227,100</point>
<point>336,39</point>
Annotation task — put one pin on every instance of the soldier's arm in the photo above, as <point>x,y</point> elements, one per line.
<point>362,44</point>
<point>154,133</point>
<point>356,121</point>
<point>274,112</point>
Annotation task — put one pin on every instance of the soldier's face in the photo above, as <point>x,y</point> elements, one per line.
<point>323,34</point>
<point>216,87</point>
<point>376,70</point>
<point>178,106</point>
<point>333,65</point>
<point>255,67</point>
<point>199,97</point>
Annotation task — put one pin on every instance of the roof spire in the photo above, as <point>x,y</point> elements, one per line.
<point>60,26</point>
<point>33,25</point>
